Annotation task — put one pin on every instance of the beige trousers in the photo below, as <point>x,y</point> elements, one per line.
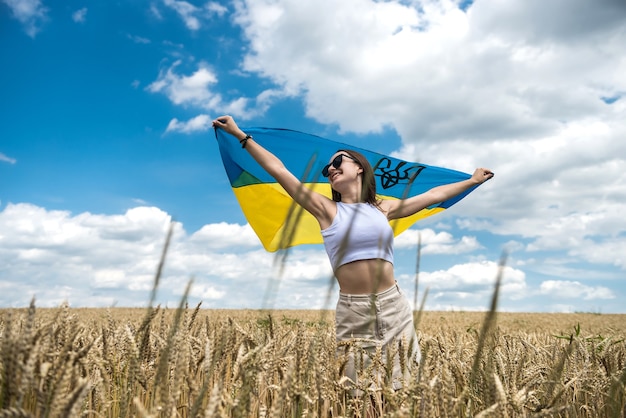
<point>376,339</point>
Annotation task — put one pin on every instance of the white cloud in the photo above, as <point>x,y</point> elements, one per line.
<point>188,90</point>
<point>432,71</point>
<point>470,286</point>
<point>566,267</point>
<point>206,292</point>
<point>79,16</point>
<point>479,274</point>
<point>216,8</point>
<point>608,251</point>
<point>224,235</point>
<point>436,242</point>
<point>198,123</point>
<point>195,90</point>
<point>573,290</point>
<point>101,260</point>
<point>30,13</point>
<point>7,159</point>
<point>138,39</point>
<point>44,250</point>
<point>186,11</point>
<point>109,278</point>
<point>191,15</point>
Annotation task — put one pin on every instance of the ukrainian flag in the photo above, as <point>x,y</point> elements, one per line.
<point>278,221</point>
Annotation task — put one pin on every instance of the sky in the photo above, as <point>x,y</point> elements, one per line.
<point>106,139</point>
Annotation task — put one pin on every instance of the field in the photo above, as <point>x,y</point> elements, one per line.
<point>191,362</point>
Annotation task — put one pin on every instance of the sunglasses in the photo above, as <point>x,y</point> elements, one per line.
<point>336,163</point>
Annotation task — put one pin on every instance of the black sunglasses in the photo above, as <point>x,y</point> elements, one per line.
<point>336,163</point>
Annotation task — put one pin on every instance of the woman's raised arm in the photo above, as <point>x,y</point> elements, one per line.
<point>321,207</point>
<point>402,208</point>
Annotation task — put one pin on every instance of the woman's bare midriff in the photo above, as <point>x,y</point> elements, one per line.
<point>364,277</point>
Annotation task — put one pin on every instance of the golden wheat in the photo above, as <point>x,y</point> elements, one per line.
<point>192,362</point>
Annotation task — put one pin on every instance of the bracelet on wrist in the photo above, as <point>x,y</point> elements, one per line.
<point>244,141</point>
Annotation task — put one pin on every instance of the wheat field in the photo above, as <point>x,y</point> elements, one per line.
<point>192,362</point>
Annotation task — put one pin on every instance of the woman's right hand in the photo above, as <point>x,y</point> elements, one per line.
<point>228,124</point>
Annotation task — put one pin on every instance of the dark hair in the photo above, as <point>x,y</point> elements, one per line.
<point>368,182</point>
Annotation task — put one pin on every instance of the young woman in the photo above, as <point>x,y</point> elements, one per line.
<point>372,312</point>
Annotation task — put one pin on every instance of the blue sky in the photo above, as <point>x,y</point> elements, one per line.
<point>106,137</point>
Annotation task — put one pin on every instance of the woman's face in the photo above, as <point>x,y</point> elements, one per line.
<point>341,167</point>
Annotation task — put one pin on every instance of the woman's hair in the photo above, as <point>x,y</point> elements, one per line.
<point>368,186</point>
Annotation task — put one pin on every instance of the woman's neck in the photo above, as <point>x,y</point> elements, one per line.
<point>353,195</point>
<point>349,199</point>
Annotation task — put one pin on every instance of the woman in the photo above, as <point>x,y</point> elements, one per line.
<point>372,313</point>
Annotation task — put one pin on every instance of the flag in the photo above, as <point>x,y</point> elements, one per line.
<point>270,210</point>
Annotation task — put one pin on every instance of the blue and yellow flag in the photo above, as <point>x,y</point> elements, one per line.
<point>270,210</point>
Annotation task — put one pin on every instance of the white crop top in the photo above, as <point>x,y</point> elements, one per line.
<point>360,231</point>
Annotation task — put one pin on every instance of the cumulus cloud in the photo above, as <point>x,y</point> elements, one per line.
<point>471,286</point>
<point>101,260</point>
<point>478,274</point>
<point>187,90</point>
<point>91,259</point>
<point>436,242</point>
<point>198,123</point>
<point>224,235</point>
<point>197,91</point>
<point>30,13</point>
<point>441,74</point>
<point>573,290</point>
